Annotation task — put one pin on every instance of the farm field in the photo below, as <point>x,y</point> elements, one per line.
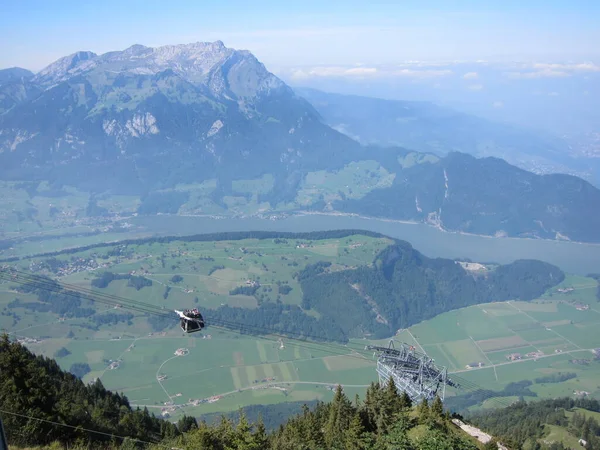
<point>492,345</point>
<point>221,370</point>
<point>132,356</point>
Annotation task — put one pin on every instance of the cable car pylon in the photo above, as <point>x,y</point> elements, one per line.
<point>412,371</point>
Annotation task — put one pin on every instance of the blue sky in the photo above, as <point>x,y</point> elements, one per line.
<point>307,33</point>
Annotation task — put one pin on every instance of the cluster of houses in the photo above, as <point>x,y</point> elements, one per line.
<point>580,362</point>
<point>265,380</point>
<point>514,357</point>
<point>28,340</point>
<point>518,356</point>
<point>581,393</point>
<point>196,402</point>
<point>474,365</point>
<point>581,306</point>
<point>114,365</point>
<point>565,290</point>
<point>213,399</point>
<point>67,267</point>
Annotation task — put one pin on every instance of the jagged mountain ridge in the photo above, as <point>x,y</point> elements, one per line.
<point>146,119</point>
<point>200,63</point>
<point>212,105</point>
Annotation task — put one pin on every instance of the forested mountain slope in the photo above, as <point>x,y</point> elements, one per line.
<point>36,387</point>
<point>547,424</point>
<point>404,287</point>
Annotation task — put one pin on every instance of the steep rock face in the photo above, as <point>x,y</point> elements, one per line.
<point>65,68</point>
<point>215,107</point>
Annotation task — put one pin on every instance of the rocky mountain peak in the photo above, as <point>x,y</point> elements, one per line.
<point>225,71</point>
<point>65,67</point>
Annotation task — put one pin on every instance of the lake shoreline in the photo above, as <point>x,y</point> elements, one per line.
<point>433,242</point>
<point>442,229</point>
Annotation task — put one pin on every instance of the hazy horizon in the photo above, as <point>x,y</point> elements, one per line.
<point>312,33</point>
<point>524,64</point>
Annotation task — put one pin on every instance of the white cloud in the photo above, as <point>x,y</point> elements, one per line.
<point>361,71</point>
<point>546,73</point>
<point>552,70</point>
<point>417,63</point>
<point>497,104</point>
<point>333,71</point>
<point>364,72</point>
<point>411,73</point>
<point>583,67</point>
<point>476,87</point>
<point>470,76</point>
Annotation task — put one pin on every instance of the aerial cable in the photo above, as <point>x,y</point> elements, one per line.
<point>227,325</point>
<point>51,285</point>
<point>47,284</point>
<point>114,300</point>
<point>83,429</point>
<point>39,280</point>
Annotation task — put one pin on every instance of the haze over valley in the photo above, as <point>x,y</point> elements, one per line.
<point>205,214</point>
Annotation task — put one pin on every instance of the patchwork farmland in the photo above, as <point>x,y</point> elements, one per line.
<point>490,345</point>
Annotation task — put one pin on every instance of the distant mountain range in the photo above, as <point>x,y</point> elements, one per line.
<point>427,127</point>
<point>205,129</point>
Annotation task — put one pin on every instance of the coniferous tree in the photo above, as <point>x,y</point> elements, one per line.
<point>338,420</point>
<point>369,407</point>
<point>437,407</point>
<point>353,435</point>
<point>388,406</point>
<point>423,411</point>
<point>260,434</point>
<point>187,423</point>
<point>405,400</point>
<point>225,433</point>
<point>397,436</point>
<point>244,439</point>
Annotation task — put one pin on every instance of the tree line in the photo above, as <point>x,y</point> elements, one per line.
<point>525,423</point>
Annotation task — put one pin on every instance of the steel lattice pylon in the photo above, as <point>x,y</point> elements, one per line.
<point>412,371</point>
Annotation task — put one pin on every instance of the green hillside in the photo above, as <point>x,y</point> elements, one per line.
<point>554,424</point>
